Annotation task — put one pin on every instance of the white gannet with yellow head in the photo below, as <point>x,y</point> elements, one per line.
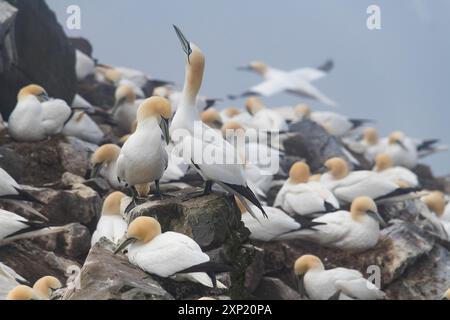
<point>104,164</point>
<point>111,224</point>
<point>297,82</point>
<point>435,201</point>
<point>35,116</point>
<point>399,175</point>
<point>355,230</point>
<point>316,283</point>
<point>125,108</point>
<point>402,150</point>
<point>22,292</point>
<point>187,131</point>
<point>168,254</point>
<point>347,185</point>
<point>371,143</point>
<point>83,127</point>
<point>9,279</point>
<point>301,196</point>
<point>264,118</point>
<point>45,287</point>
<point>212,118</point>
<point>143,158</point>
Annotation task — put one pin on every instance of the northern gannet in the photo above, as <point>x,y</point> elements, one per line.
<point>212,118</point>
<point>143,158</point>
<point>111,224</point>
<point>35,117</point>
<point>125,108</point>
<point>263,118</point>
<point>83,127</point>
<point>9,279</point>
<point>228,174</point>
<point>435,202</point>
<point>446,295</point>
<point>355,230</point>
<point>402,150</point>
<point>104,164</point>
<point>339,283</point>
<point>45,286</point>
<point>301,196</point>
<point>84,65</point>
<point>371,143</point>
<point>347,186</point>
<point>168,254</point>
<point>298,82</point>
<point>399,175</point>
<point>22,292</point>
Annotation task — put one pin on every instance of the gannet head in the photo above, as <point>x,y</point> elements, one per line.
<point>111,205</point>
<point>142,229</point>
<point>302,110</point>
<point>337,167</point>
<point>371,136</point>
<point>125,93</point>
<point>212,118</point>
<point>45,286</point>
<point>21,293</point>
<point>111,74</point>
<point>232,112</point>
<point>33,90</point>
<point>307,262</point>
<point>435,201</point>
<point>158,108</point>
<point>256,66</point>
<point>397,137</point>
<point>446,295</point>
<point>365,206</point>
<point>161,92</point>
<point>233,128</point>
<point>104,155</point>
<point>299,173</point>
<point>383,162</point>
<point>253,105</point>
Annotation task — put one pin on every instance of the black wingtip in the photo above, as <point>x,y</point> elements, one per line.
<point>327,66</point>
<point>24,196</point>
<point>398,192</point>
<point>248,194</point>
<point>306,223</point>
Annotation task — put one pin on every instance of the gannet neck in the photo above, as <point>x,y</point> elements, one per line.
<point>194,77</point>
<point>308,263</point>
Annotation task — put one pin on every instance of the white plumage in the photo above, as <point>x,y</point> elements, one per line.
<point>8,280</point>
<point>83,127</point>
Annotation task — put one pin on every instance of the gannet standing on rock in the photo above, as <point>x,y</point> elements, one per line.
<point>36,118</point>
<point>111,224</point>
<point>355,230</point>
<point>303,197</point>
<point>104,162</point>
<point>339,283</point>
<point>399,175</point>
<point>228,174</point>
<point>143,158</point>
<point>347,186</point>
<point>9,279</point>
<point>45,287</point>
<point>168,254</point>
<point>125,108</point>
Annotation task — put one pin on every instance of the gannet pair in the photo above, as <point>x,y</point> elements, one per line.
<point>296,82</point>
<point>399,175</point>
<point>355,230</point>
<point>111,224</point>
<point>317,283</point>
<point>301,196</point>
<point>347,185</point>
<point>168,254</point>
<point>230,176</point>
<point>42,290</point>
<point>35,117</point>
<point>9,279</point>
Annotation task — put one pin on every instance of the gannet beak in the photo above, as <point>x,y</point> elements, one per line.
<point>376,216</point>
<point>96,170</point>
<point>116,106</point>
<point>43,97</point>
<point>165,129</point>
<point>184,42</point>
<point>244,68</point>
<point>124,244</point>
<point>301,286</point>
<point>322,170</point>
<point>401,144</point>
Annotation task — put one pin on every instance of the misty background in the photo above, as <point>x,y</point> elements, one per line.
<point>398,76</point>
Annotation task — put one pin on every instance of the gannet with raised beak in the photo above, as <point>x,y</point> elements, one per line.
<point>297,82</point>
<point>316,283</point>
<point>301,196</point>
<point>45,286</point>
<point>355,230</point>
<point>104,164</point>
<point>399,175</point>
<point>111,224</point>
<point>228,174</point>
<point>143,158</point>
<point>125,108</point>
<point>168,254</point>
<point>9,279</point>
<point>347,185</point>
<point>35,117</point>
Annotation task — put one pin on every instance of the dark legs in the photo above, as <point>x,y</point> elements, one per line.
<point>158,193</point>
<point>198,194</point>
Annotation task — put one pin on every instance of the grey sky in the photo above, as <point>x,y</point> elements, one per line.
<point>398,75</point>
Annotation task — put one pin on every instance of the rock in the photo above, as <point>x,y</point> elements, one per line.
<point>98,94</point>
<point>46,161</point>
<point>78,204</point>
<point>82,44</point>
<point>69,179</point>
<point>99,185</point>
<point>105,276</point>
<point>8,51</point>
<point>76,242</point>
<point>427,179</point>
<point>32,262</point>
<point>12,163</point>
<point>275,289</point>
<point>428,279</point>
<point>311,142</point>
<point>44,55</point>
<point>255,271</point>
